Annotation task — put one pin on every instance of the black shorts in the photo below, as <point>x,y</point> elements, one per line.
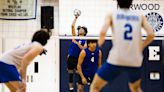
<point>89,80</point>
<point>72,63</point>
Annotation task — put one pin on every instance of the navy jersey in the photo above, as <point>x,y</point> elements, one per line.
<point>74,49</point>
<point>90,63</point>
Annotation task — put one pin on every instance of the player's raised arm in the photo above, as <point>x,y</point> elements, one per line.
<point>149,31</point>
<point>104,29</point>
<point>73,26</point>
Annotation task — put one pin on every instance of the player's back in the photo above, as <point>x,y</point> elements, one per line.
<point>15,55</point>
<point>126,27</point>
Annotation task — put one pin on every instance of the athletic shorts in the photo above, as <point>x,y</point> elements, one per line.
<point>72,63</point>
<point>109,72</point>
<point>8,73</point>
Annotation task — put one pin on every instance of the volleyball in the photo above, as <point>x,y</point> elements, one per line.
<point>77,12</point>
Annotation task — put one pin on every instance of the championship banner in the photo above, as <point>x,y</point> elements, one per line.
<point>18,9</point>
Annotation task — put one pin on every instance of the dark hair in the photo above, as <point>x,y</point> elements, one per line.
<point>124,3</point>
<point>91,41</point>
<point>41,36</point>
<point>83,27</point>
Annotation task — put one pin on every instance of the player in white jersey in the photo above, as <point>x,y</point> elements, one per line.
<point>126,53</point>
<point>14,63</point>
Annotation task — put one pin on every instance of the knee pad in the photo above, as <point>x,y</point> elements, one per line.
<point>70,77</point>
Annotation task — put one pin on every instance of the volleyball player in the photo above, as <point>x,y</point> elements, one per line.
<point>74,51</point>
<point>88,63</point>
<point>14,63</point>
<point>126,53</point>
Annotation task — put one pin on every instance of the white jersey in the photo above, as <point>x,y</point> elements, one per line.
<point>15,56</point>
<point>126,50</point>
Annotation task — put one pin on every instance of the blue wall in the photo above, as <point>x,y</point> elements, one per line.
<point>121,83</point>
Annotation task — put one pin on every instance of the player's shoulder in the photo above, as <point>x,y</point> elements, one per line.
<point>37,45</point>
<point>83,52</point>
<point>109,15</point>
<point>143,17</point>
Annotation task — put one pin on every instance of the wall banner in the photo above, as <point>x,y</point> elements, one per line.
<point>18,9</point>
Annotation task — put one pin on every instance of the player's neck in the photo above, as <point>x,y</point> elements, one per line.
<point>91,49</point>
<point>124,8</point>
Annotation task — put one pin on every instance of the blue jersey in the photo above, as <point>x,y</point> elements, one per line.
<point>74,49</point>
<point>90,63</point>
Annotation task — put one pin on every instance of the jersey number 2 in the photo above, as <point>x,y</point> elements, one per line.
<point>128,31</point>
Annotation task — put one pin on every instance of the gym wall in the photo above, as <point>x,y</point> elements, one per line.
<point>25,28</point>
<point>15,32</point>
<point>94,12</point>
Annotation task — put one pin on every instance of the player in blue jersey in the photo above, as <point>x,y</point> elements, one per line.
<point>126,53</point>
<point>89,61</point>
<point>74,51</point>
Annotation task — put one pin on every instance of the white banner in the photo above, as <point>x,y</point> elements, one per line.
<point>18,9</point>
